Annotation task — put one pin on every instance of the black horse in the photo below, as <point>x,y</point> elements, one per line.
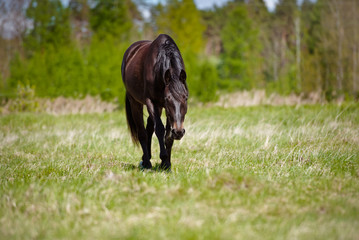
<point>154,75</point>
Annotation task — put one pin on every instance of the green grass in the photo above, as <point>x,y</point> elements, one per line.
<point>245,173</point>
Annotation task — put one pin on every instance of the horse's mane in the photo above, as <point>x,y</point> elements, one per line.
<point>169,57</point>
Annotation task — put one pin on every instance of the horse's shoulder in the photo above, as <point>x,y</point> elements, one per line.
<point>135,48</point>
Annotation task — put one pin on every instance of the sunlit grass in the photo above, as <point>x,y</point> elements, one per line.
<point>247,173</point>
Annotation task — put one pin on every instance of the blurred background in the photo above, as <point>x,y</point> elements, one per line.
<point>74,48</point>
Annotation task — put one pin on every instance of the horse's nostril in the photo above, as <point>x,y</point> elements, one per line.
<point>183,131</point>
<point>177,134</point>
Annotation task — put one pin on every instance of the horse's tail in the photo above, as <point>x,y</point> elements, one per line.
<point>131,123</point>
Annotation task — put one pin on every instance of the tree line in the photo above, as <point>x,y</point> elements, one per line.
<point>77,49</point>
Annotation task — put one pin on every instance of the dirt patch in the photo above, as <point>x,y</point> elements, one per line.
<point>89,104</point>
<point>259,97</point>
<point>60,106</point>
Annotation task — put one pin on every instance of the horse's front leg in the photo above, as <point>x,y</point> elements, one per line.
<point>169,144</point>
<point>155,114</point>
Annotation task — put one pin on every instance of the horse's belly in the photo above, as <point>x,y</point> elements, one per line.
<point>135,85</point>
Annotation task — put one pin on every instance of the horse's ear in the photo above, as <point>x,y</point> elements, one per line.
<point>167,77</point>
<point>183,76</point>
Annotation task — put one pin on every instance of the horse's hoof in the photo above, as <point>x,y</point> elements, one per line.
<point>144,166</point>
<point>165,167</point>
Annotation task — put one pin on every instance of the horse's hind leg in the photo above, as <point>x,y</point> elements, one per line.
<point>149,130</point>
<point>137,114</point>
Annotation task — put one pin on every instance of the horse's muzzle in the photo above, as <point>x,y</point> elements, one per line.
<point>177,134</point>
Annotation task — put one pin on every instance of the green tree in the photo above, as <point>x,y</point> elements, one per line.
<point>51,24</point>
<point>111,18</point>
<point>240,58</point>
<point>181,20</point>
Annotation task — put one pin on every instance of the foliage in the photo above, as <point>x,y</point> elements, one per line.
<point>239,173</point>
<point>104,62</point>
<point>68,72</point>
<point>202,78</point>
<point>50,25</point>
<point>25,100</point>
<point>76,49</point>
<point>111,18</point>
<point>240,58</point>
<point>181,20</point>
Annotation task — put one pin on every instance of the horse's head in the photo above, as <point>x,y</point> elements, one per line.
<point>176,94</point>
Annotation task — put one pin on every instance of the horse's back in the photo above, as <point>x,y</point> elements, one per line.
<point>133,55</point>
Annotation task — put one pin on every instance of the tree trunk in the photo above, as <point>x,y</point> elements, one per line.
<point>336,11</point>
<point>355,51</point>
<point>297,43</point>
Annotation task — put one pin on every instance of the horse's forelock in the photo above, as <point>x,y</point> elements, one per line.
<point>178,90</point>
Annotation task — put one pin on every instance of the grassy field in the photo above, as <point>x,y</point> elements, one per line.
<point>244,173</point>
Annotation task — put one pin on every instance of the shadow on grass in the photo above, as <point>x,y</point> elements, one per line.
<point>157,168</point>
<point>132,167</point>
<point>128,166</point>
